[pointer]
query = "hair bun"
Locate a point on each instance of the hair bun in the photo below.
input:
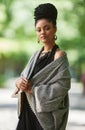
(47, 11)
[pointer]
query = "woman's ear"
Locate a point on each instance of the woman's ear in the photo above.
(55, 29)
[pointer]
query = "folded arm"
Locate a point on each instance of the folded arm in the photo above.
(49, 96)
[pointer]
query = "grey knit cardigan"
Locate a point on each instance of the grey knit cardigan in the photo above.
(49, 98)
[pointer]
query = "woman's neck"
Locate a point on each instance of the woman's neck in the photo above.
(48, 47)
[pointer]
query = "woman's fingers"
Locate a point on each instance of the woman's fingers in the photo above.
(24, 79)
(23, 84)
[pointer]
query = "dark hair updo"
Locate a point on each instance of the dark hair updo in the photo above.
(47, 11)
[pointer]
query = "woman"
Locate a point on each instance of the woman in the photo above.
(45, 81)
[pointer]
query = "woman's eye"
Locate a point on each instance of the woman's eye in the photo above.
(47, 28)
(38, 30)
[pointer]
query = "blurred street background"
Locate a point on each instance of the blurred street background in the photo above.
(18, 42)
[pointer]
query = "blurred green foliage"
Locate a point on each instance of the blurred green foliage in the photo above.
(11, 65)
(17, 27)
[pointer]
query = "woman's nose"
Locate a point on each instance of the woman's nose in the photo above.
(42, 31)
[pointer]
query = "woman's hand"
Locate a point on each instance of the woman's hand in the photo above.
(23, 84)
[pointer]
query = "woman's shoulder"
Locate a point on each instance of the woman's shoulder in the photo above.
(59, 53)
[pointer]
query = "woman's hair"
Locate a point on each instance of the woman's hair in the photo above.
(47, 11)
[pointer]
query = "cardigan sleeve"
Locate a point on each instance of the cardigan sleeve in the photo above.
(49, 96)
(29, 67)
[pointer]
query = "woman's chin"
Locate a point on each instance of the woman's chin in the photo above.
(44, 41)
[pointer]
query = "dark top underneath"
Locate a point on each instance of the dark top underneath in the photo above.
(27, 118)
(44, 60)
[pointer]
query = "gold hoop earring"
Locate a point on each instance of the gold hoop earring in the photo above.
(55, 37)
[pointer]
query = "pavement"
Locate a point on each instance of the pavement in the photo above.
(8, 107)
(76, 120)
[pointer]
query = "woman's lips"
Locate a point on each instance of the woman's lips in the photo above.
(43, 37)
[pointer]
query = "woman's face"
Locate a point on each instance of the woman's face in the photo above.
(45, 31)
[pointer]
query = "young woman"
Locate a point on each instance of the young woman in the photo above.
(45, 81)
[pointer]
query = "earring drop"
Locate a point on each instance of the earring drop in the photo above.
(55, 37)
